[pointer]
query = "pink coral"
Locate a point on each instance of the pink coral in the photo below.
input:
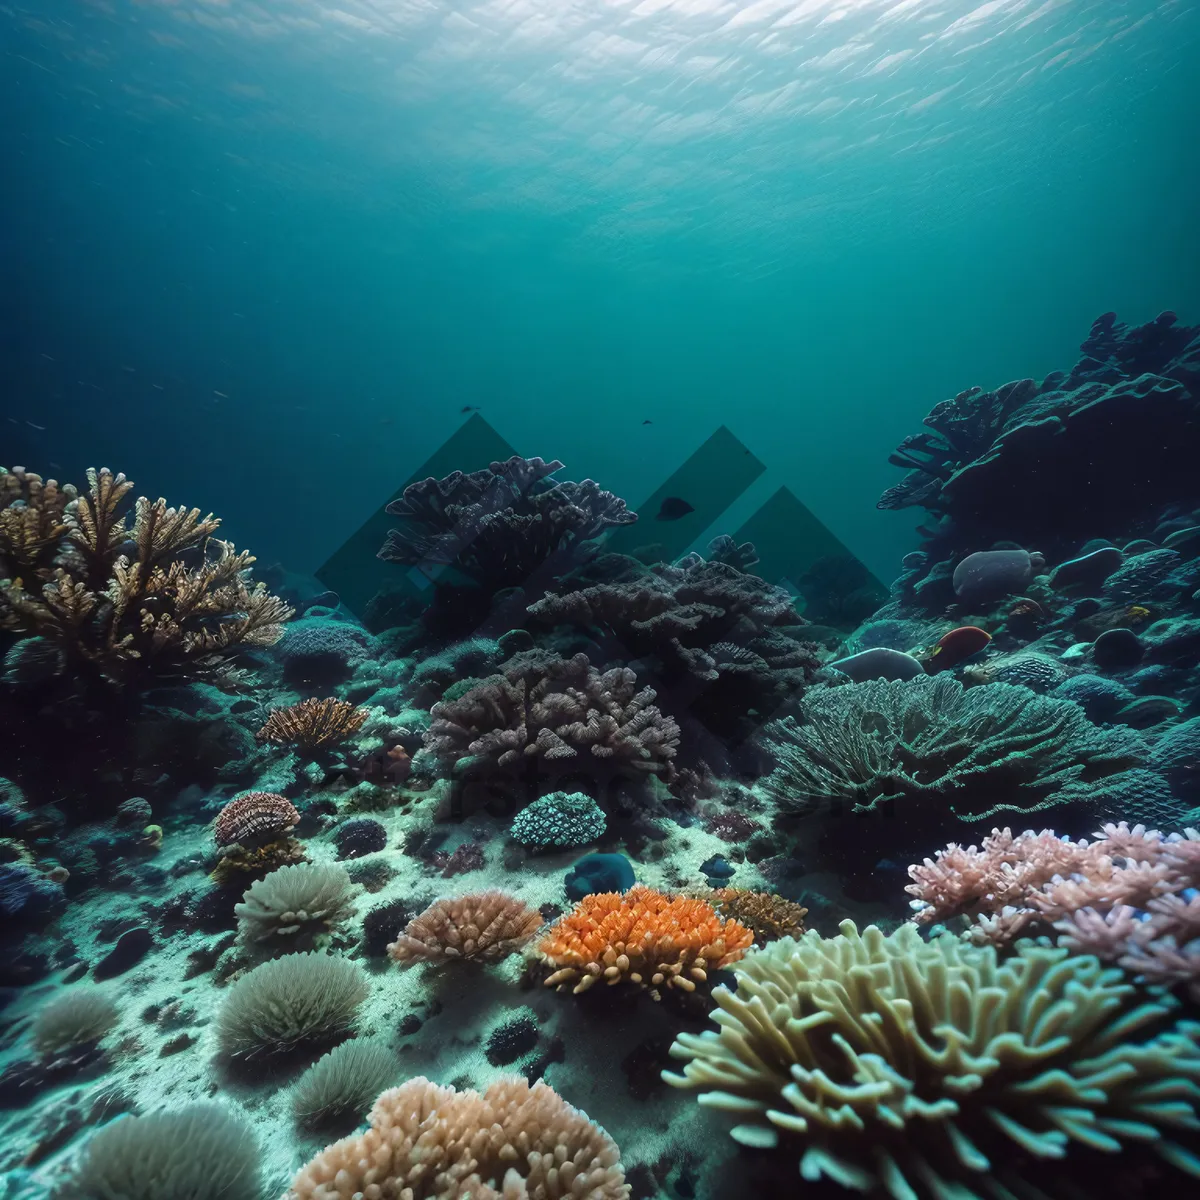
(1129, 896)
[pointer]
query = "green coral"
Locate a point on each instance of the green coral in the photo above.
(983, 750)
(935, 1070)
(560, 819)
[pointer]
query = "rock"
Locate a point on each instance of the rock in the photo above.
(1088, 570)
(132, 946)
(1117, 650)
(878, 663)
(989, 575)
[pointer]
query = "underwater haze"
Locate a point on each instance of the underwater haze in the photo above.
(599, 600)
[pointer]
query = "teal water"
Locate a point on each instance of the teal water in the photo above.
(807, 220)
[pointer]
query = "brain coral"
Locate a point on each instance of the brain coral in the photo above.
(512, 1142)
(643, 936)
(934, 1070)
(253, 818)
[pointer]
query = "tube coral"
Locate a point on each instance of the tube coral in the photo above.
(934, 1069)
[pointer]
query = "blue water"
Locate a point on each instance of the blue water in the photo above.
(259, 256)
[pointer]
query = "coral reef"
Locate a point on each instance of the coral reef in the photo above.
(924, 1069)
(427, 1142)
(126, 605)
(641, 937)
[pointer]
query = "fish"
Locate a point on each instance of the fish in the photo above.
(221, 394)
(466, 408)
(647, 422)
(672, 508)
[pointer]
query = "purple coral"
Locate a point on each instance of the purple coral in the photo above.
(498, 525)
(554, 711)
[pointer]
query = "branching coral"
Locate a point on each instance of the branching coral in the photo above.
(163, 599)
(554, 711)
(975, 751)
(497, 526)
(1128, 896)
(934, 1069)
(511, 1142)
(313, 724)
(642, 937)
(481, 926)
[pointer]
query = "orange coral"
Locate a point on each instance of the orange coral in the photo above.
(313, 724)
(642, 936)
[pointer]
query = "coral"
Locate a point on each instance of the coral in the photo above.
(515, 1038)
(767, 915)
(340, 1087)
(925, 1069)
(498, 526)
(359, 836)
(313, 724)
(381, 923)
(558, 820)
(739, 555)
(513, 1141)
(126, 606)
(989, 575)
(479, 927)
(254, 818)
(733, 634)
(33, 661)
(202, 1152)
(1038, 672)
(80, 1016)
(294, 908)
(1099, 697)
(299, 999)
(977, 751)
(553, 711)
(26, 894)
(642, 937)
(465, 858)
(238, 862)
(316, 652)
(1176, 754)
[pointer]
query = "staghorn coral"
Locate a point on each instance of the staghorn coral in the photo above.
(125, 606)
(498, 526)
(642, 937)
(554, 711)
(479, 927)
(254, 818)
(201, 1152)
(294, 908)
(513, 1141)
(767, 915)
(299, 999)
(313, 724)
(924, 1070)
(975, 751)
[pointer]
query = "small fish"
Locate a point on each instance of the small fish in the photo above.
(647, 422)
(39, 428)
(158, 387)
(673, 508)
(221, 394)
(466, 408)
